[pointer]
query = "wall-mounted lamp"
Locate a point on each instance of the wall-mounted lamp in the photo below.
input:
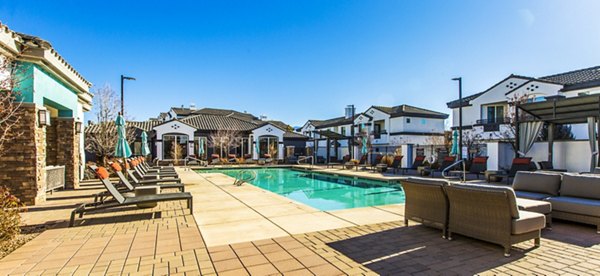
(77, 127)
(44, 120)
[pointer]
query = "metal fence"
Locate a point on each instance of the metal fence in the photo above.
(55, 178)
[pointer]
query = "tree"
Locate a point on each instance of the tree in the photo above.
(561, 132)
(225, 139)
(508, 132)
(176, 153)
(10, 101)
(472, 141)
(103, 139)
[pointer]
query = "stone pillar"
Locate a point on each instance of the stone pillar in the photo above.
(22, 165)
(68, 154)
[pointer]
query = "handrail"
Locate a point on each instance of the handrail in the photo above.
(304, 158)
(239, 178)
(464, 172)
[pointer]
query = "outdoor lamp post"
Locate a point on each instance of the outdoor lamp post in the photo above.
(123, 78)
(460, 120)
(352, 133)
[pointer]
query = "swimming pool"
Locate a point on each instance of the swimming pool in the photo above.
(322, 191)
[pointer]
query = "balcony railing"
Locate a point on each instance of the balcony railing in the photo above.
(377, 135)
(504, 120)
(493, 124)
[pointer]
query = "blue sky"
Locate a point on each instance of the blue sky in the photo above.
(299, 60)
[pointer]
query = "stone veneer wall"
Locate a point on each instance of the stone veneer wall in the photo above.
(22, 165)
(51, 144)
(68, 154)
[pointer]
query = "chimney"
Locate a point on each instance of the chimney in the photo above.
(192, 106)
(349, 111)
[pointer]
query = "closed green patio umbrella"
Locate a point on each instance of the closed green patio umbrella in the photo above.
(200, 148)
(454, 150)
(122, 148)
(364, 149)
(145, 147)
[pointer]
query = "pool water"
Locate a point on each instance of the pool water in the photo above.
(323, 191)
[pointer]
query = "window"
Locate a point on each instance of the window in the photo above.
(170, 140)
(343, 131)
(495, 114)
(268, 145)
(408, 120)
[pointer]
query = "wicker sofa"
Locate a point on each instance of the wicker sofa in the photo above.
(573, 197)
(579, 200)
(490, 213)
(426, 202)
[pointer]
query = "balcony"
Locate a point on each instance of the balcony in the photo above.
(493, 124)
(380, 137)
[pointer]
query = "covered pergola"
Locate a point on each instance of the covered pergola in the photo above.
(558, 110)
(328, 136)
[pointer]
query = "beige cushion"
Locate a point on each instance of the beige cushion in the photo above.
(537, 206)
(512, 199)
(527, 222)
(585, 186)
(583, 206)
(543, 183)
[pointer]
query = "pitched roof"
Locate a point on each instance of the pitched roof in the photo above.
(215, 122)
(572, 80)
(338, 121)
(181, 111)
(466, 100)
(141, 125)
(294, 135)
(577, 79)
(409, 110)
(185, 111)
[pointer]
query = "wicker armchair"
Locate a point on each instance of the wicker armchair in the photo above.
(490, 214)
(426, 202)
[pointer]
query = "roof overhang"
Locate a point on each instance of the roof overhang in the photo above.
(41, 53)
(573, 110)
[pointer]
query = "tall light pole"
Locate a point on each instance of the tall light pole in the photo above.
(352, 132)
(123, 78)
(460, 120)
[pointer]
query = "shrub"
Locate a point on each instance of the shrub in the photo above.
(10, 220)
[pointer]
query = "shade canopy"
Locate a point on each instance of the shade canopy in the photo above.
(122, 148)
(556, 110)
(331, 135)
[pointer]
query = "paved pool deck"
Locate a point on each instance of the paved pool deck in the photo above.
(168, 239)
(224, 210)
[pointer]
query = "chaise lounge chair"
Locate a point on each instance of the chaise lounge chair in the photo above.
(478, 166)
(163, 183)
(446, 162)
(139, 171)
(415, 165)
(120, 200)
(518, 164)
(397, 163)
